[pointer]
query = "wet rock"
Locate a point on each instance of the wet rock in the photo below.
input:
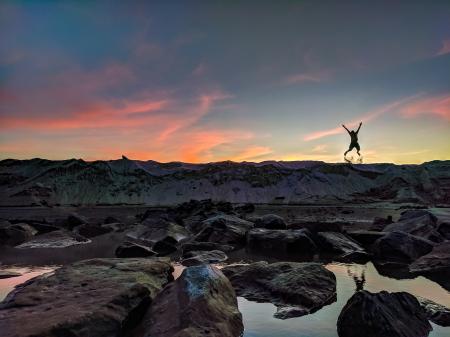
(201, 302)
(270, 221)
(8, 274)
(437, 261)
(444, 229)
(365, 238)
(43, 228)
(225, 229)
(96, 298)
(379, 224)
(339, 243)
(194, 258)
(383, 314)
(204, 246)
(400, 246)
(74, 220)
(14, 234)
(90, 231)
(297, 289)
(419, 223)
(294, 241)
(129, 249)
(435, 312)
(56, 239)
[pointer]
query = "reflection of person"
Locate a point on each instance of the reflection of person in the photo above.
(353, 140)
(360, 281)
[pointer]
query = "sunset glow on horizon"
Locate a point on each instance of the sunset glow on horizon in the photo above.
(212, 81)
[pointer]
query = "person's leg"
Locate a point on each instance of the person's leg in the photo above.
(349, 149)
(357, 149)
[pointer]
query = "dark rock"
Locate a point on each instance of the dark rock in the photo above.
(400, 246)
(292, 241)
(270, 221)
(319, 226)
(297, 289)
(8, 274)
(110, 220)
(245, 209)
(96, 298)
(379, 224)
(74, 220)
(382, 314)
(204, 246)
(444, 229)
(225, 229)
(339, 243)
(365, 238)
(437, 261)
(56, 239)
(194, 258)
(14, 234)
(129, 249)
(118, 227)
(435, 312)
(90, 231)
(201, 302)
(419, 223)
(43, 228)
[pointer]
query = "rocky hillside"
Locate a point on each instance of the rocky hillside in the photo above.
(125, 181)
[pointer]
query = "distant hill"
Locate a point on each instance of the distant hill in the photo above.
(40, 181)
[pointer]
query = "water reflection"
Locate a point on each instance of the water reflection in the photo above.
(259, 320)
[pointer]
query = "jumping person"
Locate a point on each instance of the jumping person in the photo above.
(353, 140)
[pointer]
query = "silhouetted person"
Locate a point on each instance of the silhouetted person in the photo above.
(353, 140)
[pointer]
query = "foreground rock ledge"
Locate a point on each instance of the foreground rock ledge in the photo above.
(297, 289)
(383, 314)
(99, 297)
(201, 302)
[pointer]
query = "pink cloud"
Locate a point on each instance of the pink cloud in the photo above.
(438, 106)
(313, 77)
(445, 49)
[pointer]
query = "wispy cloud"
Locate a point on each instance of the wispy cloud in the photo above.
(311, 77)
(438, 106)
(445, 49)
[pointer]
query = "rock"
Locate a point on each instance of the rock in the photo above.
(74, 220)
(129, 249)
(382, 314)
(8, 274)
(110, 220)
(339, 243)
(90, 231)
(379, 224)
(270, 221)
(419, 223)
(437, 261)
(201, 302)
(118, 227)
(365, 238)
(14, 234)
(319, 226)
(297, 289)
(56, 239)
(96, 298)
(400, 246)
(204, 246)
(293, 241)
(435, 312)
(225, 229)
(194, 258)
(245, 209)
(444, 229)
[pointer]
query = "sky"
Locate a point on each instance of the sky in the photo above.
(202, 81)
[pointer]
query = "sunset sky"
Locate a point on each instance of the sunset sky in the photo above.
(202, 81)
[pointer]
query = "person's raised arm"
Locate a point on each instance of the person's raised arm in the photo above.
(345, 128)
(359, 127)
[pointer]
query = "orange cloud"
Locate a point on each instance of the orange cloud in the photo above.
(438, 106)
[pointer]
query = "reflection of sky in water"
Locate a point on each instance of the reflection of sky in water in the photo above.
(258, 317)
(259, 321)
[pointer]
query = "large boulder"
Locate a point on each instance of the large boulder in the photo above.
(365, 237)
(201, 302)
(420, 223)
(293, 241)
(96, 298)
(90, 231)
(225, 229)
(383, 314)
(345, 247)
(8, 274)
(444, 229)
(130, 249)
(56, 239)
(204, 246)
(379, 224)
(74, 220)
(436, 262)
(437, 313)
(15, 234)
(296, 289)
(194, 258)
(401, 247)
(270, 221)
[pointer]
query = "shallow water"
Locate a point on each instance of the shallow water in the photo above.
(258, 317)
